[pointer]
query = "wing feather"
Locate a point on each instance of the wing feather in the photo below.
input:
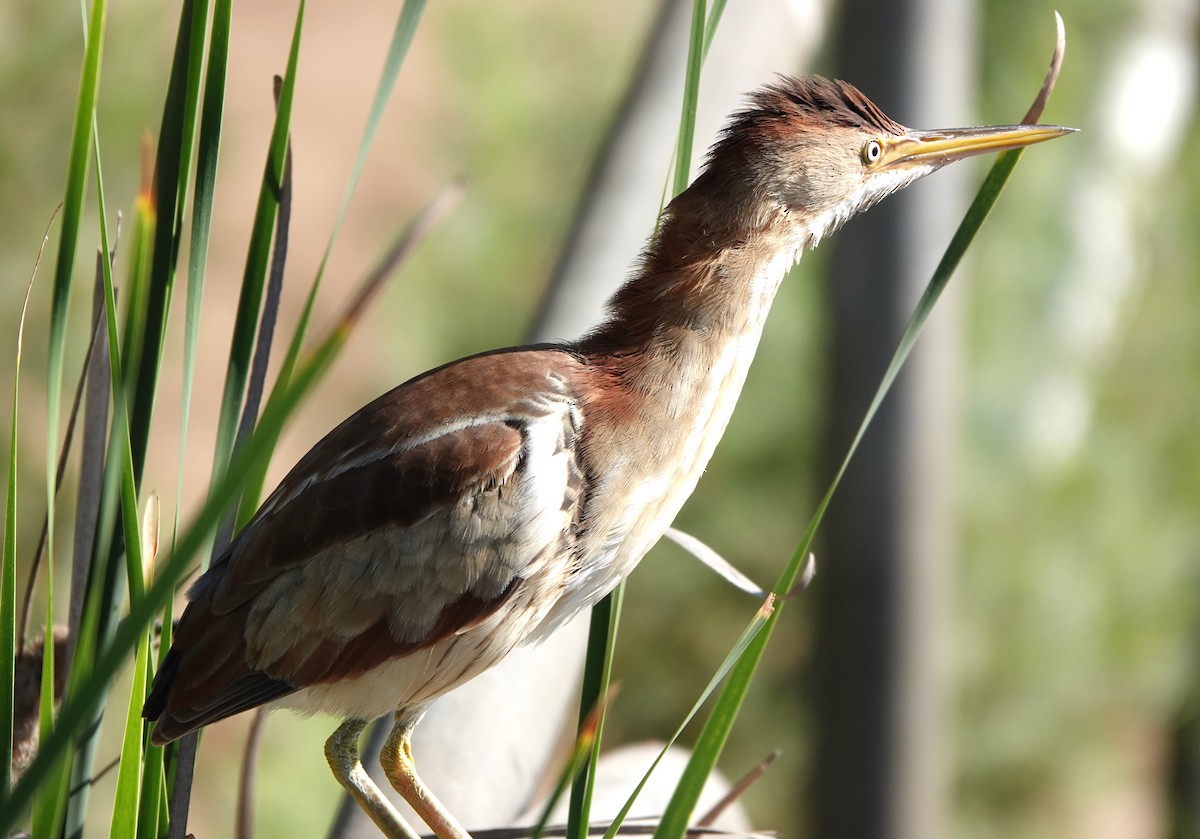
(418, 517)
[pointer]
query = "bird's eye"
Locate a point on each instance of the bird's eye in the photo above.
(871, 152)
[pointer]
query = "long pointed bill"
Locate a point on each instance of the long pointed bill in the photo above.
(939, 147)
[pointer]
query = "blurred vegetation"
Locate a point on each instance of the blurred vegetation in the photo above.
(1077, 581)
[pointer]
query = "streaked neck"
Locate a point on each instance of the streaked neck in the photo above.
(670, 362)
(708, 277)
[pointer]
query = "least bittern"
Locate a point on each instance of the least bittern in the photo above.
(481, 505)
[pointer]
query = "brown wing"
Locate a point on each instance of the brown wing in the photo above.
(415, 517)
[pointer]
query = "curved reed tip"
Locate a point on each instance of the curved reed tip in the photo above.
(1034, 114)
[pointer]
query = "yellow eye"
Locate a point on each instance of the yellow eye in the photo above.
(871, 152)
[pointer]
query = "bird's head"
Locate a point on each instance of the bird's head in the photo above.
(822, 151)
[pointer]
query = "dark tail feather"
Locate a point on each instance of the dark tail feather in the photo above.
(250, 691)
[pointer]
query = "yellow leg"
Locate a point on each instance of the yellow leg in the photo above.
(341, 750)
(397, 761)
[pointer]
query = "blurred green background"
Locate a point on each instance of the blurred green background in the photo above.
(1076, 640)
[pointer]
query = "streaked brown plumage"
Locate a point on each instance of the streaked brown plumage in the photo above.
(484, 503)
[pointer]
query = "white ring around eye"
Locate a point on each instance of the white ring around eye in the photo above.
(872, 151)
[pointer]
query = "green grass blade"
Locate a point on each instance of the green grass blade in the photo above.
(8, 573)
(710, 26)
(152, 794)
(254, 277)
(574, 766)
(73, 202)
(402, 36)
(712, 739)
(170, 183)
(129, 775)
(87, 741)
(691, 95)
(191, 104)
(153, 818)
(69, 809)
(119, 370)
(146, 224)
(8, 592)
(50, 806)
(132, 777)
(137, 285)
(206, 177)
(690, 83)
(743, 643)
(597, 676)
(265, 338)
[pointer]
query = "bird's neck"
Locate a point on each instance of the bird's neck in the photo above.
(670, 362)
(702, 291)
